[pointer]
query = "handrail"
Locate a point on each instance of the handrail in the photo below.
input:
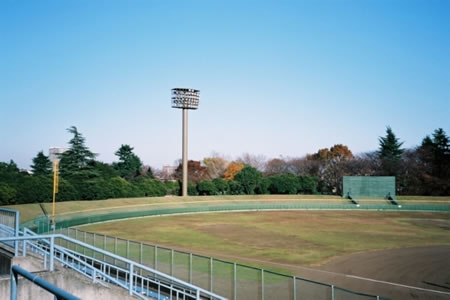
(130, 274)
(59, 293)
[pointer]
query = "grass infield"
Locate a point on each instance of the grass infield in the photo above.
(285, 237)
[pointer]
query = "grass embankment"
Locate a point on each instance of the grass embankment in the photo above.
(285, 237)
(72, 208)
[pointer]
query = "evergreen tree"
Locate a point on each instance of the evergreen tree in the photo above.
(390, 146)
(436, 152)
(41, 165)
(390, 153)
(129, 164)
(78, 157)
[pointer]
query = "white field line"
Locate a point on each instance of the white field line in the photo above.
(397, 284)
(374, 280)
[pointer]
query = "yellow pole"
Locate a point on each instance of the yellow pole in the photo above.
(55, 187)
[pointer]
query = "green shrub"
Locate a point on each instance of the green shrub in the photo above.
(206, 187)
(221, 186)
(235, 188)
(287, 183)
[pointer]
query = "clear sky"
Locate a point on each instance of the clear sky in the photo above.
(276, 78)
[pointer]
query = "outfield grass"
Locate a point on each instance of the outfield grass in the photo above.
(75, 208)
(285, 237)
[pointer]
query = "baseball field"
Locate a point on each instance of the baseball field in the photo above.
(397, 254)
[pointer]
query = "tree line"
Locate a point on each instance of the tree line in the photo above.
(422, 170)
(82, 177)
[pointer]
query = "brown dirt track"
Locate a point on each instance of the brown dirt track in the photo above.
(406, 273)
(389, 272)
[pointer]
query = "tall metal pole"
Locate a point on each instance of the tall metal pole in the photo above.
(185, 99)
(185, 152)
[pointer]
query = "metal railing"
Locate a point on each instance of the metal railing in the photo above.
(57, 292)
(9, 225)
(139, 280)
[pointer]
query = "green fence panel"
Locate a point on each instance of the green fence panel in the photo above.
(181, 265)
(343, 294)
(98, 242)
(249, 283)
(89, 239)
(306, 289)
(278, 286)
(148, 255)
(121, 249)
(110, 246)
(223, 278)
(134, 251)
(201, 271)
(164, 260)
(368, 186)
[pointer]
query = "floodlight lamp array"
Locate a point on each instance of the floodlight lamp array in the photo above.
(185, 98)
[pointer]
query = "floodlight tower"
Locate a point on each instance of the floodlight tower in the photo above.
(185, 99)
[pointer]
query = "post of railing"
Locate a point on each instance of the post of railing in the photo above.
(332, 292)
(84, 240)
(16, 231)
(141, 249)
(171, 262)
(294, 287)
(76, 237)
(198, 295)
(211, 273)
(190, 267)
(131, 279)
(156, 257)
(45, 261)
(262, 284)
(52, 250)
(104, 246)
(24, 247)
(235, 281)
(128, 249)
(13, 288)
(115, 248)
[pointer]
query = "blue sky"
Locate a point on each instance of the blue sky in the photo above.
(277, 78)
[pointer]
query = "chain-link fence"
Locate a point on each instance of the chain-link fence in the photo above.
(228, 279)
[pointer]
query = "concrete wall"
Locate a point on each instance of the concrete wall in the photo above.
(63, 278)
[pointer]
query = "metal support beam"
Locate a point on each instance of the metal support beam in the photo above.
(235, 281)
(52, 252)
(262, 284)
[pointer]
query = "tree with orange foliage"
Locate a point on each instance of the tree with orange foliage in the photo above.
(232, 169)
(332, 165)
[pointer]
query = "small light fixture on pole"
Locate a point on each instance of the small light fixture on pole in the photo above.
(185, 99)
